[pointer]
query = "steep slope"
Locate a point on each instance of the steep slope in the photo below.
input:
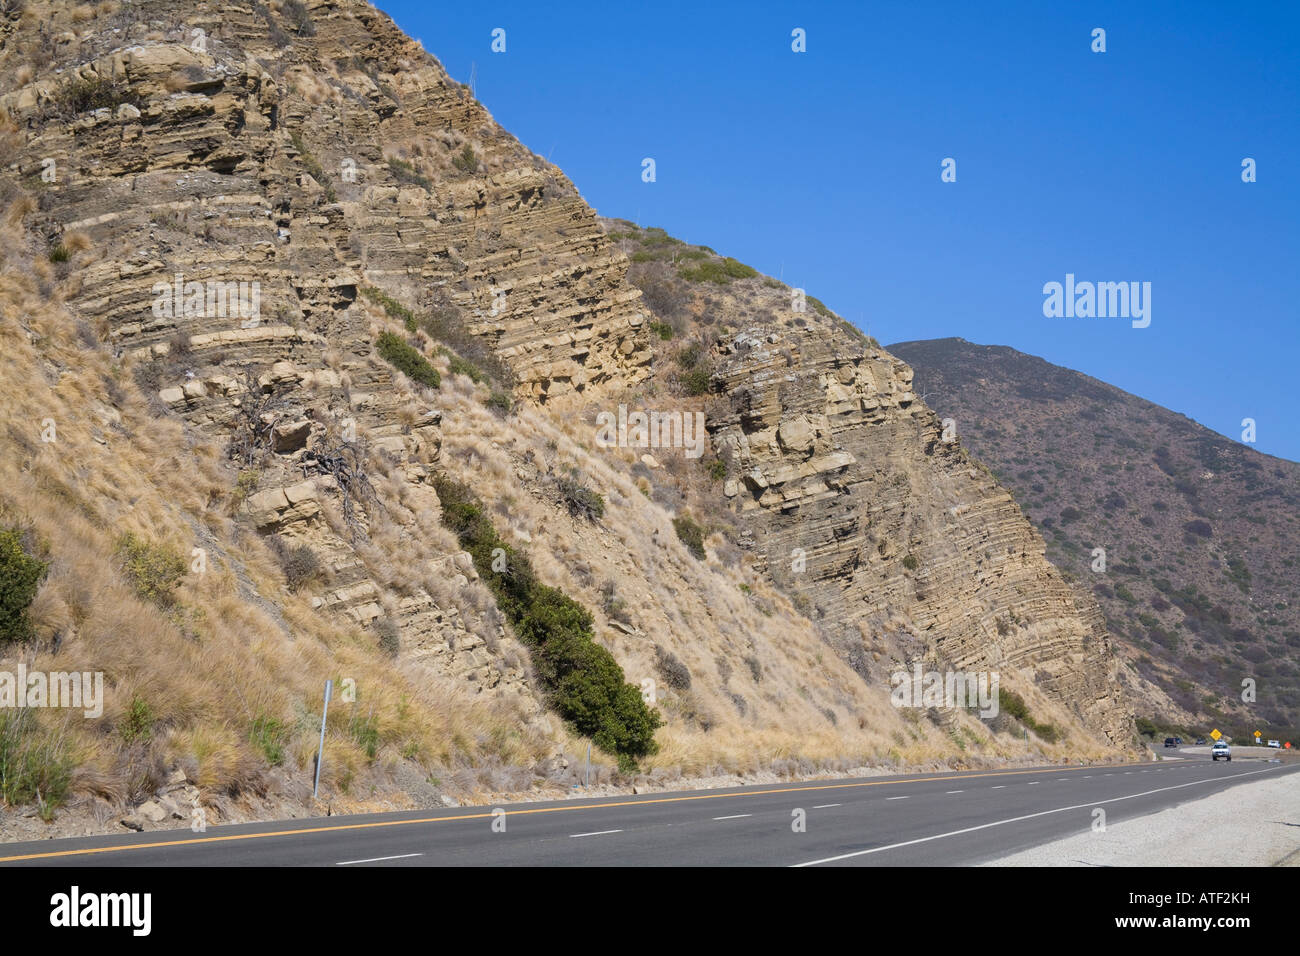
(271, 275)
(1201, 534)
(844, 489)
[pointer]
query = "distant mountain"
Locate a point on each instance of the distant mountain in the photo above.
(1201, 533)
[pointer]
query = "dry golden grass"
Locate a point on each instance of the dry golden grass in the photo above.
(236, 645)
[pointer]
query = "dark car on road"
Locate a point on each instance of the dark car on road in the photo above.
(1200, 741)
(1171, 741)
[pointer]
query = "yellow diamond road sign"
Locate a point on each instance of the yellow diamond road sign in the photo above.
(1215, 733)
(1258, 734)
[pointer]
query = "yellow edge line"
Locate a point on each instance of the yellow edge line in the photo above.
(477, 816)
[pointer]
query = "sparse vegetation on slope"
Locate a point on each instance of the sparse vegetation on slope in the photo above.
(583, 681)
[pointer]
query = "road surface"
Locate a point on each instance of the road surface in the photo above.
(955, 818)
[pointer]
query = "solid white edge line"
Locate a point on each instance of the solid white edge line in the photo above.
(593, 833)
(1028, 816)
(734, 816)
(898, 798)
(377, 859)
(823, 806)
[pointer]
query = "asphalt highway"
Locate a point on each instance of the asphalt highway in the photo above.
(946, 819)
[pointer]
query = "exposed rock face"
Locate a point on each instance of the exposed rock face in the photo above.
(857, 502)
(284, 178)
(243, 197)
(844, 485)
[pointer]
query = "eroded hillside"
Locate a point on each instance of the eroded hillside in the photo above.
(271, 275)
(1199, 532)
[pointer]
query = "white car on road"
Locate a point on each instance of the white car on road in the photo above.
(1221, 749)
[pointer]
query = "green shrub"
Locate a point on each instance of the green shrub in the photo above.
(697, 381)
(691, 535)
(720, 273)
(460, 366)
(405, 172)
(501, 403)
(466, 161)
(688, 356)
(393, 308)
(717, 469)
(1009, 702)
(910, 562)
(1013, 704)
(365, 731)
(59, 253)
(95, 93)
(580, 678)
(662, 329)
(408, 360)
(35, 767)
(137, 723)
(20, 579)
(270, 735)
(154, 570)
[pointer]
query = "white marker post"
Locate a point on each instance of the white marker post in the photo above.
(320, 753)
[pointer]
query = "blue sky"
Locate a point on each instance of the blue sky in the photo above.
(823, 167)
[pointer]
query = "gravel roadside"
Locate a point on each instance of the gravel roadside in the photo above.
(1251, 824)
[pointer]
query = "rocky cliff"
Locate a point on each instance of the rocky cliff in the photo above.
(854, 497)
(270, 271)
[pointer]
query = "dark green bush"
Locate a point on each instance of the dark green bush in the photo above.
(501, 403)
(691, 535)
(391, 306)
(1013, 704)
(581, 679)
(460, 366)
(20, 579)
(407, 360)
(696, 381)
